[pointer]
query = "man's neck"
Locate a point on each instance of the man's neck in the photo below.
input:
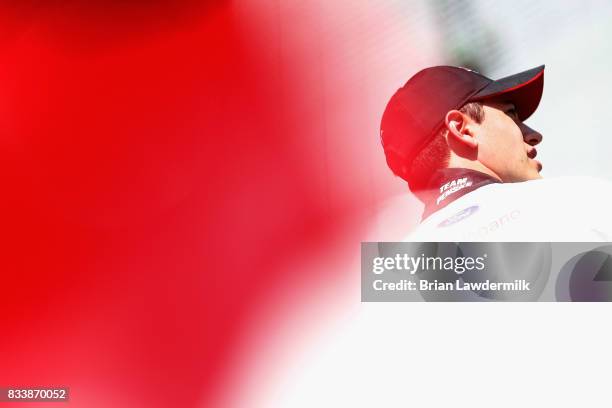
(461, 163)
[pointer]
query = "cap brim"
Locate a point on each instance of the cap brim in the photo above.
(524, 90)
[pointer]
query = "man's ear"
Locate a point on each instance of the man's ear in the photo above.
(458, 130)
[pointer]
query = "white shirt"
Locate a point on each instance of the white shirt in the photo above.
(574, 209)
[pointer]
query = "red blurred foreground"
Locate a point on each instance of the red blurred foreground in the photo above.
(162, 164)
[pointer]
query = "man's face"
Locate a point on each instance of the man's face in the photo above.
(506, 145)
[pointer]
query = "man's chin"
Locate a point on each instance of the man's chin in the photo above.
(535, 171)
(535, 176)
(532, 175)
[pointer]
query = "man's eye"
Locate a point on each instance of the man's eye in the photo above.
(511, 112)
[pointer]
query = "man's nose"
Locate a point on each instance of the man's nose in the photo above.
(530, 136)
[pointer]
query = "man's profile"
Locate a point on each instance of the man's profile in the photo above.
(459, 140)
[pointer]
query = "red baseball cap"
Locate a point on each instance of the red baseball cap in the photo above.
(416, 112)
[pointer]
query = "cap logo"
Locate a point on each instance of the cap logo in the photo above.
(469, 70)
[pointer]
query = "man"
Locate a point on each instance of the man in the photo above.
(459, 140)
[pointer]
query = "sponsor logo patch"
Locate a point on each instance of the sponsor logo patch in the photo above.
(460, 216)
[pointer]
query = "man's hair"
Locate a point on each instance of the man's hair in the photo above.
(436, 154)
